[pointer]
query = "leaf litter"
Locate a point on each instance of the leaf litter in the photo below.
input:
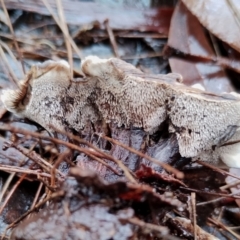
(139, 200)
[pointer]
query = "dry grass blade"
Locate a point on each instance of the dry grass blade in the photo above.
(37, 195)
(35, 157)
(6, 185)
(151, 227)
(194, 220)
(214, 201)
(112, 39)
(217, 169)
(6, 65)
(212, 193)
(6, 47)
(230, 185)
(13, 169)
(105, 164)
(142, 155)
(75, 47)
(3, 205)
(236, 12)
(67, 36)
(142, 56)
(221, 225)
(13, 34)
(55, 166)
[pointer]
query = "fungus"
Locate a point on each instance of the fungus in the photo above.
(116, 91)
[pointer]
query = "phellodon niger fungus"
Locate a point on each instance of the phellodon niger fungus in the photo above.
(115, 91)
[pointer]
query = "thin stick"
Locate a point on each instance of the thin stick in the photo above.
(164, 165)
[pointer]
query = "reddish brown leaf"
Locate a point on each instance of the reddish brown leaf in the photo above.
(147, 172)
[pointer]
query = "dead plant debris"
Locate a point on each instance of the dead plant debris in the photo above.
(112, 180)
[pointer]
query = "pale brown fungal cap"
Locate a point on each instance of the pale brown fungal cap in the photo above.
(116, 91)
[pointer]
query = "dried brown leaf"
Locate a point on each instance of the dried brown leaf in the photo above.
(77, 13)
(222, 18)
(187, 35)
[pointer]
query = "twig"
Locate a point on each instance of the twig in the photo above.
(164, 165)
